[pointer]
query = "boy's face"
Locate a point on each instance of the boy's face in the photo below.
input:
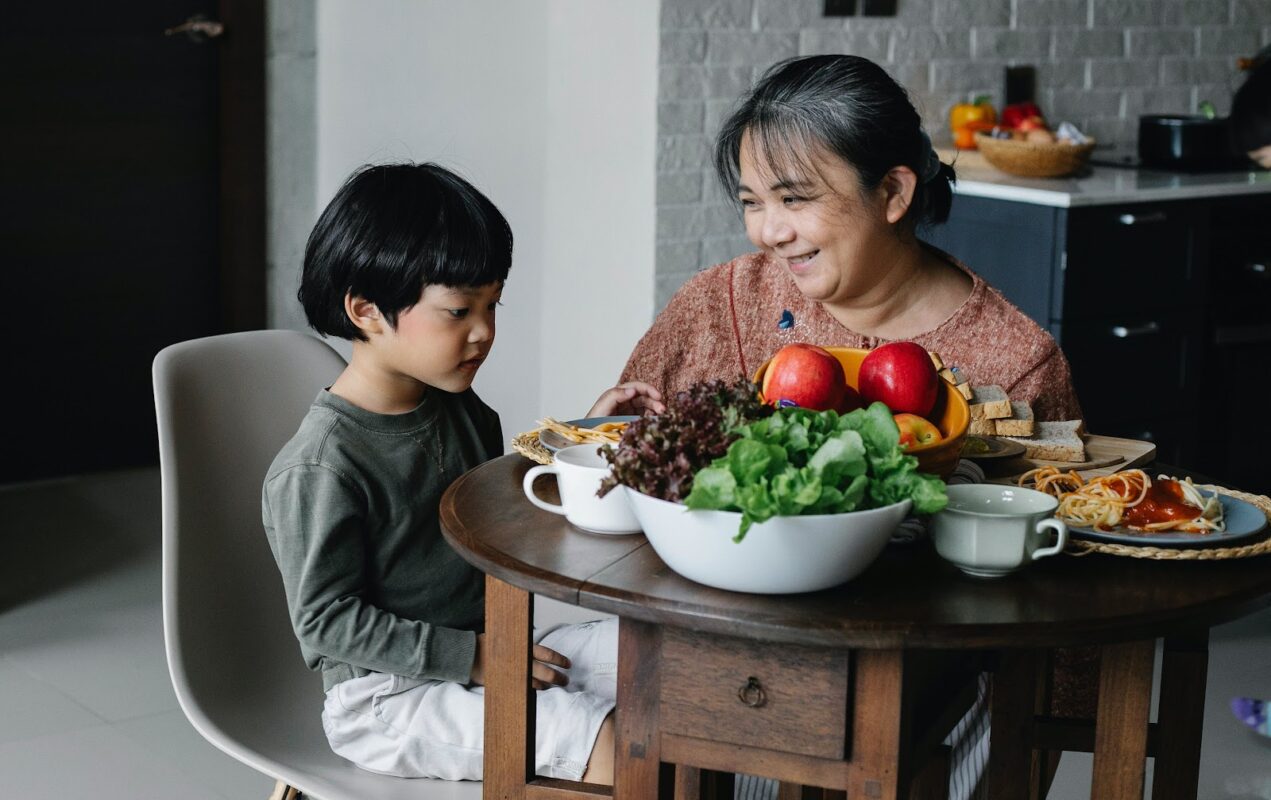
(442, 340)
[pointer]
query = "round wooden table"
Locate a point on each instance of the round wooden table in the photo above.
(892, 646)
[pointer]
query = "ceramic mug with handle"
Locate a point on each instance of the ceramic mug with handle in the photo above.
(579, 470)
(989, 530)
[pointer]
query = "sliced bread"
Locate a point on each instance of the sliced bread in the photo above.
(1054, 441)
(1020, 423)
(989, 402)
(981, 427)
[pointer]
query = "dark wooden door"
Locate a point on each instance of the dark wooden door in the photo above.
(110, 185)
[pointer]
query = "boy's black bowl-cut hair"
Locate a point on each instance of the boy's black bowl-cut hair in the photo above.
(393, 229)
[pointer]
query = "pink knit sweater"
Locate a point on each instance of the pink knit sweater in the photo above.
(727, 320)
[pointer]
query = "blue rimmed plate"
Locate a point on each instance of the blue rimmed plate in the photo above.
(1244, 521)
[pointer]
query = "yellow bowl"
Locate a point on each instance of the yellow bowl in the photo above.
(952, 415)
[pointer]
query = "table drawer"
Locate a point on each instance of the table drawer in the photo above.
(774, 696)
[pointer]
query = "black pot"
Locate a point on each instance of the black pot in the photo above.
(1186, 142)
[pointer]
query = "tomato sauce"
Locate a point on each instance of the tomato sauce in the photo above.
(1164, 502)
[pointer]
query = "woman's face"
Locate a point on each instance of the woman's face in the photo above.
(816, 223)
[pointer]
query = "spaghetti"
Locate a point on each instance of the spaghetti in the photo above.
(1128, 500)
(604, 433)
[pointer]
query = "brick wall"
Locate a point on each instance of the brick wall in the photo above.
(1100, 63)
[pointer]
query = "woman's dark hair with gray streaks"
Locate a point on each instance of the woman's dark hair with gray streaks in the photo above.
(844, 105)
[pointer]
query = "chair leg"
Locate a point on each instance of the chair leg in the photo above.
(284, 792)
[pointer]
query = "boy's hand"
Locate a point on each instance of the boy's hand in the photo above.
(632, 397)
(542, 676)
(477, 676)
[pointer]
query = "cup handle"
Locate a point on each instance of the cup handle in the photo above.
(1060, 529)
(527, 483)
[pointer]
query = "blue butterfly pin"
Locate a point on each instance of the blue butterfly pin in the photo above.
(787, 320)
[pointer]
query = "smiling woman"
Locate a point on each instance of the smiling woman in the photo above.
(834, 177)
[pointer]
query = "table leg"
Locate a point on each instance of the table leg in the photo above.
(692, 783)
(1176, 775)
(878, 734)
(509, 706)
(1013, 761)
(688, 783)
(637, 743)
(795, 791)
(932, 781)
(1120, 734)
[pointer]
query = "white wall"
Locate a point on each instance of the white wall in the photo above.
(601, 194)
(549, 107)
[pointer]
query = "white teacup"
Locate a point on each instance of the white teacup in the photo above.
(579, 470)
(989, 531)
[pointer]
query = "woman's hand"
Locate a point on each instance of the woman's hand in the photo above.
(542, 675)
(632, 397)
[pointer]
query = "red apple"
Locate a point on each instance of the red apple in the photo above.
(1032, 123)
(902, 376)
(915, 431)
(807, 376)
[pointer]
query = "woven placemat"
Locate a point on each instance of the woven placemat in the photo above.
(1081, 547)
(528, 445)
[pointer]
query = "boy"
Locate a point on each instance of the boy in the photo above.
(408, 261)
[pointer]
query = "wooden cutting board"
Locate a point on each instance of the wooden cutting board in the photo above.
(1104, 455)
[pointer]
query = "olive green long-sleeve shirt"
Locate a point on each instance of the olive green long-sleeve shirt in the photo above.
(350, 507)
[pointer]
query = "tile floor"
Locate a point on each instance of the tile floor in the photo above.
(86, 709)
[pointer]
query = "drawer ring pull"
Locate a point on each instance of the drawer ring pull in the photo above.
(752, 694)
(1142, 218)
(1125, 332)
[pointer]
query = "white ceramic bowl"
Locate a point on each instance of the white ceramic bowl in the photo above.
(784, 555)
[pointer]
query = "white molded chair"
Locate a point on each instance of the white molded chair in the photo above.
(226, 405)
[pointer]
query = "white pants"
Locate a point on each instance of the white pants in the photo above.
(435, 729)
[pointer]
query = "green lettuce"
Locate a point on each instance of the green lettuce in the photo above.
(799, 461)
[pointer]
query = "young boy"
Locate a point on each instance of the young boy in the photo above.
(408, 261)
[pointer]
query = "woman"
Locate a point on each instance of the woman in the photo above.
(1250, 120)
(833, 173)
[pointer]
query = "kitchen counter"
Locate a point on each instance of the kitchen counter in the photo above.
(1100, 185)
(1156, 284)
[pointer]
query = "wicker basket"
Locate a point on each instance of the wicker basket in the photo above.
(1034, 159)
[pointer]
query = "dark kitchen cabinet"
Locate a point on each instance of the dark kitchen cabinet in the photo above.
(1236, 378)
(1163, 309)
